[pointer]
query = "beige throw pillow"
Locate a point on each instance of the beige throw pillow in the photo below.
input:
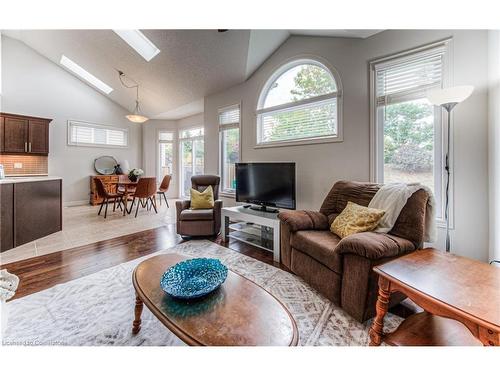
(356, 219)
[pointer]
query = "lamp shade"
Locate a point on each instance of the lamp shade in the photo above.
(449, 95)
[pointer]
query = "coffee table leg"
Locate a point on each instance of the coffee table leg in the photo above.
(136, 326)
(377, 328)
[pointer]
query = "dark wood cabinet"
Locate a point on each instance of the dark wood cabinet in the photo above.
(2, 130)
(15, 135)
(30, 210)
(38, 136)
(6, 216)
(38, 210)
(21, 134)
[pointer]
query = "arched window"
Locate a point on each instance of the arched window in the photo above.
(300, 102)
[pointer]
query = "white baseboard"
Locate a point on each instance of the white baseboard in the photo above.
(76, 203)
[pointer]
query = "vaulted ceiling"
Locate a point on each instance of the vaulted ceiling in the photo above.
(191, 64)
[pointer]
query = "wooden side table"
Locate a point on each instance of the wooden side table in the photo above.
(460, 296)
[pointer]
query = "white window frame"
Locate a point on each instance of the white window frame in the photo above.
(94, 126)
(441, 134)
(179, 142)
(227, 192)
(289, 64)
(158, 165)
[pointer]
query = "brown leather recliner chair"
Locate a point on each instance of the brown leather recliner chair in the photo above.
(202, 222)
(341, 269)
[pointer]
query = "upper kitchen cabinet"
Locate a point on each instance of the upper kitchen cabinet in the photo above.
(24, 134)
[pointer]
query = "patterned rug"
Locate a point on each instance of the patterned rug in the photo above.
(98, 309)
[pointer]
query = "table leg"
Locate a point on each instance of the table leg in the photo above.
(136, 325)
(377, 328)
(125, 203)
(225, 228)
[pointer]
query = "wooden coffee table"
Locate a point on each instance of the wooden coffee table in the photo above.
(238, 313)
(460, 296)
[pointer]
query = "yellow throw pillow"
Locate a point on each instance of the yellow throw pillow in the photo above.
(202, 200)
(355, 219)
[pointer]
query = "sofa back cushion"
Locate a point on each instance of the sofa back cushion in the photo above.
(344, 191)
(410, 223)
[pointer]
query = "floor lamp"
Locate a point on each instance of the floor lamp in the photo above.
(448, 98)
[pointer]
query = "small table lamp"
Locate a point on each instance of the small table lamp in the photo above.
(448, 98)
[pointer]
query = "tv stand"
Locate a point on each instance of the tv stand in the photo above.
(256, 227)
(263, 208)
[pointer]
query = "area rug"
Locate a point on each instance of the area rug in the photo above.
(98, 309)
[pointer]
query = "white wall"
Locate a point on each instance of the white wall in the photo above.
(33, 85)
(320, 165)
(494, 141)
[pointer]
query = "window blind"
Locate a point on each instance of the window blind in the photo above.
(409, 77)
(229, 117)
(86, 134)
(310, 120)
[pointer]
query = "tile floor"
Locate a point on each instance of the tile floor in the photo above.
(82, 226)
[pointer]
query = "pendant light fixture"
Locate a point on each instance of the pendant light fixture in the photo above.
(136, 115)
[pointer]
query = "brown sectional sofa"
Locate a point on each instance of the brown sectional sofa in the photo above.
(341, 269)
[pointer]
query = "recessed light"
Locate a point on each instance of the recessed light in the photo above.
(82, 73)
(138, 41)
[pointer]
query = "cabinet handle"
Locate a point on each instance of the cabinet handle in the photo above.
(30, 146)
(25, 146)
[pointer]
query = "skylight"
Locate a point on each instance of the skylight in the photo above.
(82, 73)
(138, 41)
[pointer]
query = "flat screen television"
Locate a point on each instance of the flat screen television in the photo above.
(266, 184)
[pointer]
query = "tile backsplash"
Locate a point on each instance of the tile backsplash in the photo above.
(24, 164)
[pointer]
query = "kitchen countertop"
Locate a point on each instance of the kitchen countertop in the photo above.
(15, 180)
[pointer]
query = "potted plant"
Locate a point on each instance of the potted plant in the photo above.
(134, 174)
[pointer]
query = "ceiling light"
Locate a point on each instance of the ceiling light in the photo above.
(138, 41)
(82, 73)
(136, 115)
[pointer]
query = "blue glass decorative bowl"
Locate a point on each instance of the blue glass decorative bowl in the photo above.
(193, 278)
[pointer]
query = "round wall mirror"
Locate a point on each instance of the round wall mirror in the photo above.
(105, 164)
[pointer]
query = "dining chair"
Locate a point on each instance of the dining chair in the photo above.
(107, 196)
(165, 183)
(145, 193)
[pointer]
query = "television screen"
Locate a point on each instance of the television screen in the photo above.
(266, 184)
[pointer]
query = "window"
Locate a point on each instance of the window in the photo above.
(165, 154)
(86, 134)
(191, 148)
(300, 102)
(86, 76)
(229, 153)
(139, 42)
(407, 128)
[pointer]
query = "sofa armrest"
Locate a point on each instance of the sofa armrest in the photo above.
(181, 206)
(374, 246)
(304, 220)
(217, 215)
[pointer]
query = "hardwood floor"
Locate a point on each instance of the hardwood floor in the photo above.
(45, 271)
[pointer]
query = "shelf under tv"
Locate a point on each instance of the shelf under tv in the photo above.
(257, 228)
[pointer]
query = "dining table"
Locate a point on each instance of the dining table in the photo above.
(129, 189)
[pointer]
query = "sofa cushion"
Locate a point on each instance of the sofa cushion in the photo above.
(344, 191)
(200, 214)
(320, 245)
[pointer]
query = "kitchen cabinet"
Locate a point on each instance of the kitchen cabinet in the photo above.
(21, 134)
(31, 209)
